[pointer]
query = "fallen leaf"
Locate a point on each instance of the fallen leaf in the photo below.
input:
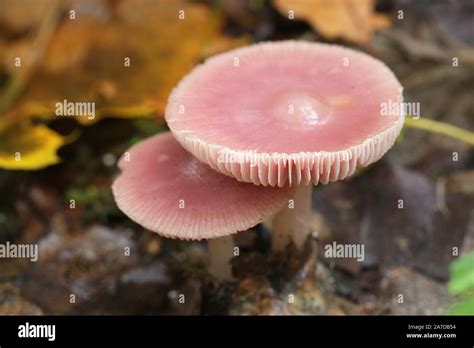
(21, 15)
(26, 146)
(351, 20)
(128, 70)
(124, 66)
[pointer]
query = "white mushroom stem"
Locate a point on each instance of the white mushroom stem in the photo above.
(292, 222)
(221, 251)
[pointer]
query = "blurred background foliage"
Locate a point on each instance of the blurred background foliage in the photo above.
(462, 284)
(79, 50)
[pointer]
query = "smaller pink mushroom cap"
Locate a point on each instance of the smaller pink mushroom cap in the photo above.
(167, 190)
(287, 112)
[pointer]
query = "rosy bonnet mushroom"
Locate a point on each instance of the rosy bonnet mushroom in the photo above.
(287, 113)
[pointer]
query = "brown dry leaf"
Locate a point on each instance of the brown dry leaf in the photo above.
(160, 47)
(352, 20)
(21, 15)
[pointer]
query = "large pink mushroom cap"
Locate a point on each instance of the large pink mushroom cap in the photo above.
(165, 189)
(287, 112)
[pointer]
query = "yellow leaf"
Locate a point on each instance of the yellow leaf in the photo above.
(352, 20)
(26, 146)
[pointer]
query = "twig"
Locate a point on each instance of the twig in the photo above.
(440, 128)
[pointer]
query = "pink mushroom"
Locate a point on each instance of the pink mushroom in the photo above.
(166, 190)
(287, 114)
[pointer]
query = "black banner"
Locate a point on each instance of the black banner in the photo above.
(407, 330)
